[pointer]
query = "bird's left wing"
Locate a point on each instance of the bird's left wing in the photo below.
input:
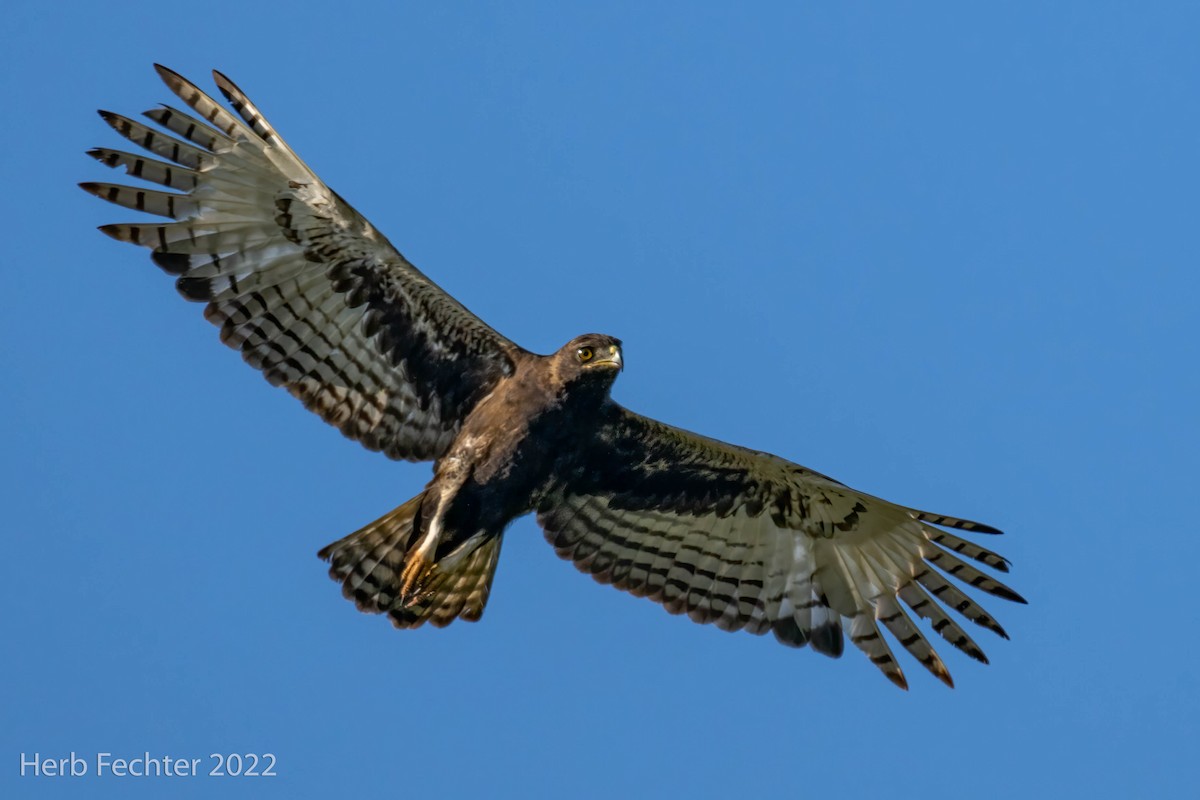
(297, 280)
(749, 541)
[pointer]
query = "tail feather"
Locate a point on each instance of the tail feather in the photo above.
(369, 564)
(369, 561)
(460, 593)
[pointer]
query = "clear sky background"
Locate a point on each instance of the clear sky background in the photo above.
(944, 252)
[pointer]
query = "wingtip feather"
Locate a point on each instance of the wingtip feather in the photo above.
(167, 74)
(1008, 594)
(941, 673)
(223, 82)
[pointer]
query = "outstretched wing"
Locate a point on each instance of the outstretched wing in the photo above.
(749, 541)
(297, 280)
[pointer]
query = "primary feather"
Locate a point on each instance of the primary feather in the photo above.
(749, 541)
(298, 281)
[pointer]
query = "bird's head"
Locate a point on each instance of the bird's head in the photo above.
(591, 359)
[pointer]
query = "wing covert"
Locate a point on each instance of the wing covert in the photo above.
(749, 541)
(298, 281)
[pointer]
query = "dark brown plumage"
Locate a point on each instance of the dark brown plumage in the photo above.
(317, 299)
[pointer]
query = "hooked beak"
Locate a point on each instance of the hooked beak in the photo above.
(613, 360)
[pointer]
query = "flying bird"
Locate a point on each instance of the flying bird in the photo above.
(320, 301)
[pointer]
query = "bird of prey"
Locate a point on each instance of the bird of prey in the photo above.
(322, 303)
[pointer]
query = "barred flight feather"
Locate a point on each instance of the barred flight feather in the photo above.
(787, 550)
(148, 169)
(188, 127)
(297, 280)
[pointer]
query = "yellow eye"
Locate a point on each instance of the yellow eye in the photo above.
(585, 354)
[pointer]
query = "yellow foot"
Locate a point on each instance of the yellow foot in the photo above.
(414, 577)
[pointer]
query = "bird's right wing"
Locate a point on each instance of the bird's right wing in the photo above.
(297, 280)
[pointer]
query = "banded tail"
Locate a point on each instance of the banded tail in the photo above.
(370, 564)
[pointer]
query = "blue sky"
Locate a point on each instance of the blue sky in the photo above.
(946, 254)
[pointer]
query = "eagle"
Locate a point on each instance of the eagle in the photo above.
(319, 301)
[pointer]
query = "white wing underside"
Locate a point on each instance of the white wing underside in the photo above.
(297, 280)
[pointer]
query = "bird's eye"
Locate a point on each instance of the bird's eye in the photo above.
(585, 354)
